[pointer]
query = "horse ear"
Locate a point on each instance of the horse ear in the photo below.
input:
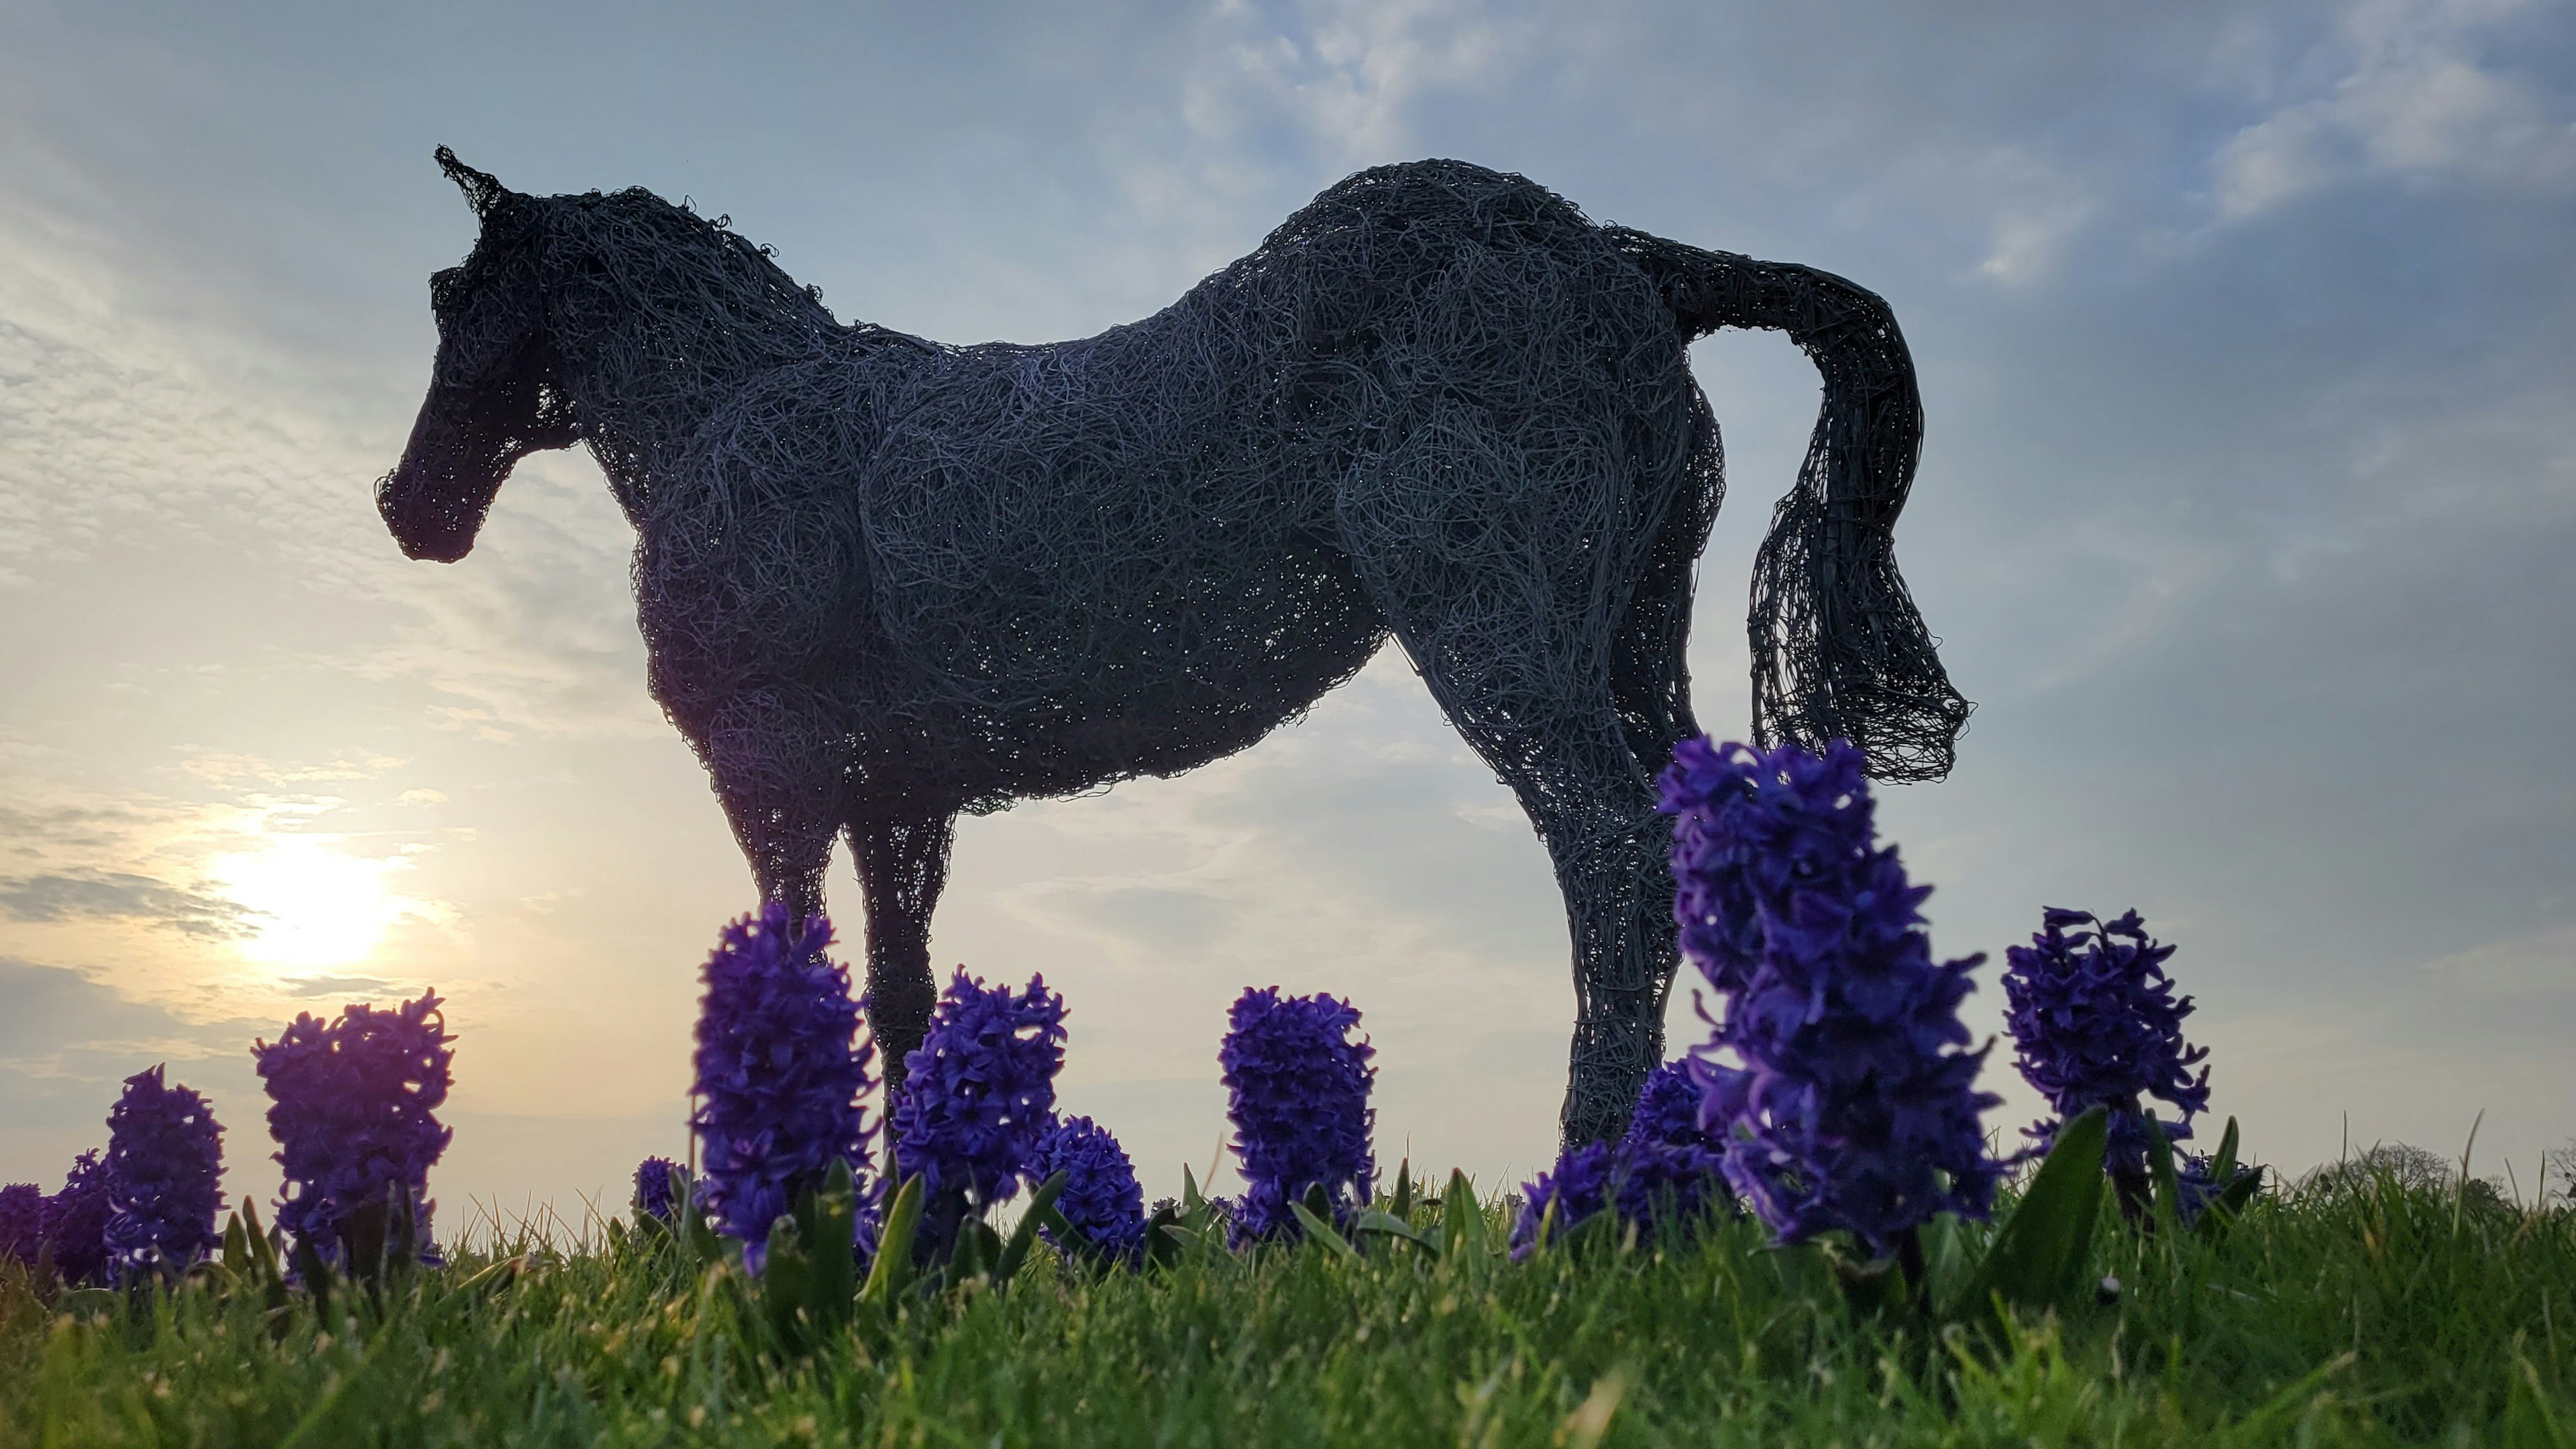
(482, 190)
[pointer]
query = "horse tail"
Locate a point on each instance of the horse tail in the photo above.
(1839, 650)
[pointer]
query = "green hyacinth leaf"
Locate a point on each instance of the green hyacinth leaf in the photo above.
(1389, 1225)
(2038, 1255)
(1462, 1219)
(786, 1276)
(1320, 1231)
(830, 1230)
(2160, 1166)
(1041, 1208)
(1163, 1240)
(890, 1277)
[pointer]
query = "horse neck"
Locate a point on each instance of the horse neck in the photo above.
(653, 337)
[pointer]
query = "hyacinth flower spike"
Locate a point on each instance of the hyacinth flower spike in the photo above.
(1837, 1074)
(2095, 1022)
(662, 1188)
(1102, 1206)
(979, 1094)
(1297, 1088)
(164, 1161)
(354, 1108)
(781, 1069)
(1667, 1171)
(22, 1222)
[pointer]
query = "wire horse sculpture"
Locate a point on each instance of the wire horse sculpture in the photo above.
(884, 581)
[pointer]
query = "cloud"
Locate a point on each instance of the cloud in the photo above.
(2414, 99)
(2543, 964)
(119, 896)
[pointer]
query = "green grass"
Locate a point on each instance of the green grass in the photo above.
(2381, 1315)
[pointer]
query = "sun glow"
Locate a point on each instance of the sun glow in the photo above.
(309, 904)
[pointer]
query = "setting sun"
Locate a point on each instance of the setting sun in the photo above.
(311, 904)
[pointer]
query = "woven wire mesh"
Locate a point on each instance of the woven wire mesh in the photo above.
(884, 581)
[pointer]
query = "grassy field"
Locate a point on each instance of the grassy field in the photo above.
(2380, 1315)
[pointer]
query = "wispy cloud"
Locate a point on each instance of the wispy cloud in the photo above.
(118, 896)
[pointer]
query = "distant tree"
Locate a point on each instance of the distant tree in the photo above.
(2411, 1168)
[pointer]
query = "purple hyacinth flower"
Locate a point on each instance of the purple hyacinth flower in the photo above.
(977, 1094)
(22, 1223)
(353, 1105)
(2095, 1021)
(661, 1185)
(1298, 1094)
(76, 1221)
(1101, 1201)
(1836, 1075)
(781, 1070)
(164, 1160)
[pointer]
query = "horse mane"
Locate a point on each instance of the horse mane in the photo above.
(637, 234)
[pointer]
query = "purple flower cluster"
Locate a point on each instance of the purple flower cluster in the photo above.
(661, 1187)
(1664, 1170)
(71, 1224)
(1101, 1201)
(1298, 1094)
(1668, 1110)
(2094, 1021)
(164, 1159)
(353, 1106)
(780, 1072)
(22, 1222)
(1575, 1189)
(977, 1094)
(76, 1220)
(2196, 1175)
(1854, 1105)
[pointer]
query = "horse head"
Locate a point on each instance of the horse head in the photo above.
(493, 396)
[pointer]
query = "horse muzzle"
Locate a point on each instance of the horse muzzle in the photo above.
(431, 518)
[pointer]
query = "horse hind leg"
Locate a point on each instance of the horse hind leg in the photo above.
(1491, 569)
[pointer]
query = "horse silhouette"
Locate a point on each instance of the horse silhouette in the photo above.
(883, 581)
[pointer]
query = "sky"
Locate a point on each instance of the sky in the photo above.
(2245, 514)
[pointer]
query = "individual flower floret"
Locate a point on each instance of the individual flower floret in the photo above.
(164, 1160)
(977, 1093)
(1836, 1072)
(353, 1106)
(780, 1071)
(1298, 1093)
(661, 1188)
(1101, 1200)
(2094, 1022)
(76, 1221)
(22, 1222)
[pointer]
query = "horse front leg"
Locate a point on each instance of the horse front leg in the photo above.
(903, 863)
(775, 761)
